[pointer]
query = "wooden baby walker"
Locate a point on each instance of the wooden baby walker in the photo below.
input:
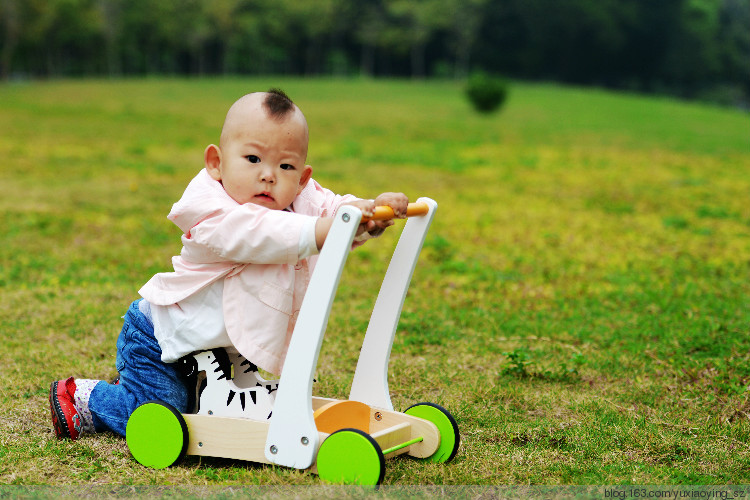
(240, 415)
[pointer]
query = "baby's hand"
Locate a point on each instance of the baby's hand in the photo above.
(367, 207)
(397, 201)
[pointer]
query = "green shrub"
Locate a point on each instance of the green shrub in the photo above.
(486, 93)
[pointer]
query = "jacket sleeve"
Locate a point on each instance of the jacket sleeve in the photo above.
(317, 200)
(246, 234)
(328, 201)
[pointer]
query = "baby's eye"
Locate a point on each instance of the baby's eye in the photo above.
(286, 166)
(253, 159)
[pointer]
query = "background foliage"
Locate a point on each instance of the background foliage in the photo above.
(581, 303)
(694, 48)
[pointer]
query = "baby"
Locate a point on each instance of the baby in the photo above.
(253, 222)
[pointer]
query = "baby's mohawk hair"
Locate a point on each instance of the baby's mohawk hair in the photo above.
(277, 103)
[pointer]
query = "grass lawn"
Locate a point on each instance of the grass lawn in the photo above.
(581, 305)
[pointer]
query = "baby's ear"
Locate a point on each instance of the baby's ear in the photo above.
(306, 174)
(212, 161)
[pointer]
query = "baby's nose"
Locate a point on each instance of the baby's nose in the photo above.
(266, 175)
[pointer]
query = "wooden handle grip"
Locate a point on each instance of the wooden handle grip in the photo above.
(386, 212)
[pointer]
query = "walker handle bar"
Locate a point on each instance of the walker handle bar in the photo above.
(386, 212)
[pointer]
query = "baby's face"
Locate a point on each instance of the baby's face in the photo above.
(263, 159)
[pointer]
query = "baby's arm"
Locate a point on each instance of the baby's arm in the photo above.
(397, 201)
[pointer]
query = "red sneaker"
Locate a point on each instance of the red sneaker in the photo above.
(65, 418)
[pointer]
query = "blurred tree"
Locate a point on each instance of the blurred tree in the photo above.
(10, 31)
(370, 24)
(415, 21)
(693, 56)
(144, 25)
(110, 20)
(61, 36)
(304, 30)
(685, 46)
(236, 30)
(576, 40)
(649, 29)
(465, 19)
(734, 42)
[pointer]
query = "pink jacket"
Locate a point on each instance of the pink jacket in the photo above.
(256, 252)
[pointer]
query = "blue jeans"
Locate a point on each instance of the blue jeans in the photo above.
(143, 377)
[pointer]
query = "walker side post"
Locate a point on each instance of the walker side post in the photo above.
(370, 384)
(293, 438)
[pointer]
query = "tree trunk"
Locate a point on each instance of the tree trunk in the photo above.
(417, 61)
(367, 60)
(12, 31)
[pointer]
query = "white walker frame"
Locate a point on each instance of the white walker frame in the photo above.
(293, 437)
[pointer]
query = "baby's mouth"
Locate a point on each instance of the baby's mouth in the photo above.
(264, 196)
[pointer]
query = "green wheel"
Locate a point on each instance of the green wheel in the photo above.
(350, 456)
(156, 434)
(447, 426)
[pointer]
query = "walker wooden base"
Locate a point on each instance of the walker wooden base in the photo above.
(238, 438)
